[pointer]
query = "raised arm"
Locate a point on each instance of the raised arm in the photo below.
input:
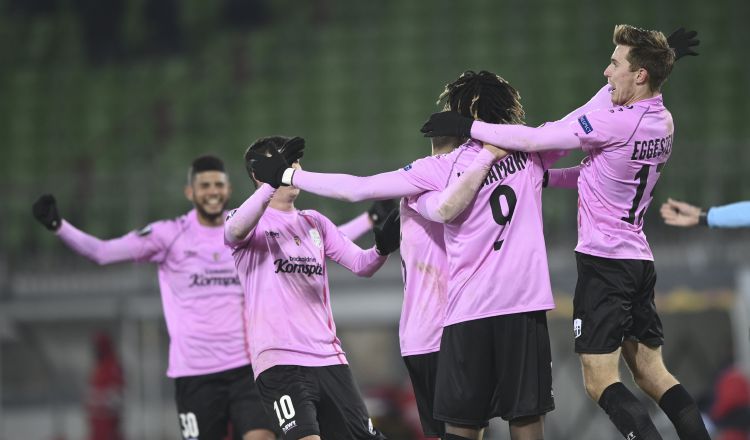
(242, 220)
(134, 246)
(356, 227)
(444, 206)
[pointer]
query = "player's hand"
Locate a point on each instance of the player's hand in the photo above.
(498, 152)
(677, 213)
(270, 169)
(379, 211)
(683, 42)
(293, 149)
(45, 211)
(388, 236)
(447, 123)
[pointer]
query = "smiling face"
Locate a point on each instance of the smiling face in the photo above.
(209, 191)
(625, 84)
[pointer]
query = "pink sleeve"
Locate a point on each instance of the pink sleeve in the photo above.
(241, 221)
(354, 188)
(357, 226)
(340, 249)
(444, 206)
(523, 138)
(606, 128)
(601, 100)
(564, 177)
(135, 246)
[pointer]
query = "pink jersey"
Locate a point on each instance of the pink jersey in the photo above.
(496, 254)
(424, 266)
(201, 294)
(627, 148)
(282, 268)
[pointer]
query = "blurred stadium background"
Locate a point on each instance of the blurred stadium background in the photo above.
(105, 103)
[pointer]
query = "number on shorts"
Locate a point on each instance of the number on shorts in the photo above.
(284, 407)
(189, 425)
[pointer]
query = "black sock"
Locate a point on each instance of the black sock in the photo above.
(627, 413)
(683, 412)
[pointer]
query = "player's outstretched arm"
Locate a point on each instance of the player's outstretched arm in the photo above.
(241, 221)
(350, 188)
(508, 136)
(130, 247)
(444, 206)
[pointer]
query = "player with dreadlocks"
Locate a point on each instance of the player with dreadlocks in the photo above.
(494, 354)
(628, 143)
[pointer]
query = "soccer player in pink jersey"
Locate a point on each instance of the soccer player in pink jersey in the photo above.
(202, 300)
(614, 312)
(280, 254)
(494, 357)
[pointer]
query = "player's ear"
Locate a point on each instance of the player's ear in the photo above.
(189, 192)
(641, 77)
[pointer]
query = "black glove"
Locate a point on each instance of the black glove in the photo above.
(447, 124)
(270, 169)
(545, 179)
(388, 236)
(682, 42)
(380, 210)
(45, 211)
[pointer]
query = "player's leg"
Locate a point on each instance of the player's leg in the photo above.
(249, 420)
(422, 370)
(523, 363)
(527, 428)
(642, 352)
(290, 395)
(342, 413)
(466, 378)
(202, 406)
(601, 312)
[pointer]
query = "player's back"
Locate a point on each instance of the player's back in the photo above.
(628, 146)
(496, 252)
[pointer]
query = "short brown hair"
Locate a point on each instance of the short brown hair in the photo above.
(648, 50)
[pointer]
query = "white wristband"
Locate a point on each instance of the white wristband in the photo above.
(286, 178)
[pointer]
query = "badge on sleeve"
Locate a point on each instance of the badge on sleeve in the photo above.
(585, 124)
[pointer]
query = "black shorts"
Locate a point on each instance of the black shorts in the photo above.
(207, 403)
(423, 373)
(321, 401)
(496, 366)
(614, 300)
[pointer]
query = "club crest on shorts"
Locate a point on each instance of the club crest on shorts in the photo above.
(315, 236)
(577, 324)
